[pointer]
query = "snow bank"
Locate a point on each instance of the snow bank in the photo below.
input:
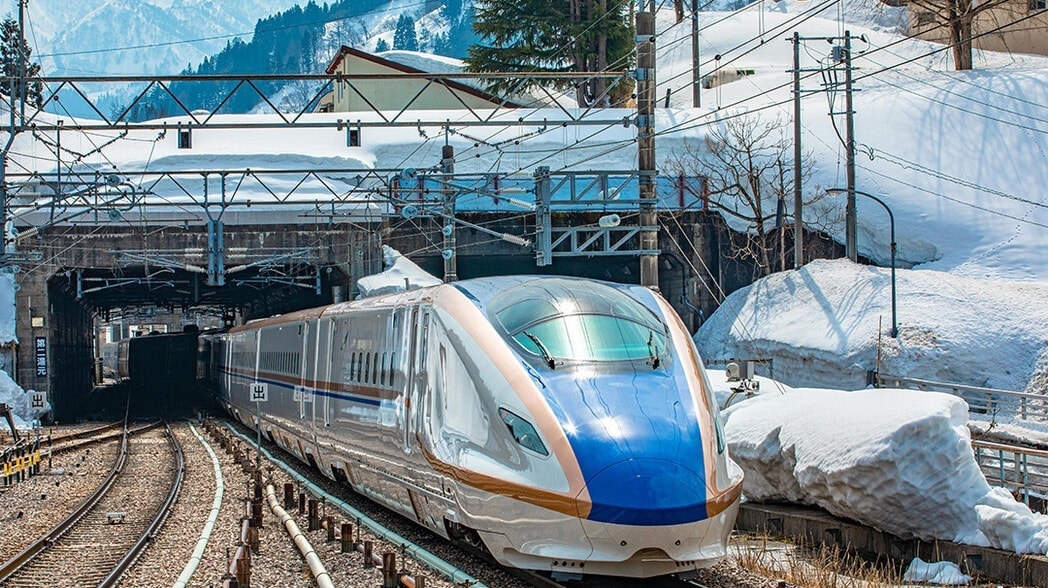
(12, 395)
(823, 324)
(896, 460)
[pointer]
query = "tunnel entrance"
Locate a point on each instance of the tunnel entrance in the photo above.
(90, 311)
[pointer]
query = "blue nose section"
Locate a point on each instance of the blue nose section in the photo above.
(647, 492)
(636, 436)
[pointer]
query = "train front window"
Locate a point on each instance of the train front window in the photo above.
(552, 319)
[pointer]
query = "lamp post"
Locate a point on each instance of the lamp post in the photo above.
(891, 222)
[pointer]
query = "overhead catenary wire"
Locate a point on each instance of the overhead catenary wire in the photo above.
(611, 146)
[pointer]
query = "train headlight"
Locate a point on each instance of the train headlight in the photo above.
(523, 431)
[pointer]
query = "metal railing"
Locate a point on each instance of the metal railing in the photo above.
(1022, 470)
(981, 401)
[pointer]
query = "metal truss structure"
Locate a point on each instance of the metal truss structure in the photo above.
(36, 201)
(318, 86)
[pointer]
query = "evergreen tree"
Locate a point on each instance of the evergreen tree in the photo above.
(404, 36)
(555, 36)
(381, 46)
(14, 59)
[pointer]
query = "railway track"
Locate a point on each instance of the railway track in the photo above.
(112, 431)
(101, 538)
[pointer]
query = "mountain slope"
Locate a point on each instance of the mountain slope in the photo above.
(136, 37)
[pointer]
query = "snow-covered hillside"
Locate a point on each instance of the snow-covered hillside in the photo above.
(135, 37)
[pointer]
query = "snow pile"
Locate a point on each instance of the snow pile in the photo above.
(12, 395)
(941, 573)
(7, 308)
(400, 274)
(823, 324)
(897, 460)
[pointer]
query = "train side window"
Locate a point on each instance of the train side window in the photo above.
(353, 367)
(392, 368)
(374, 370)
(367, 366)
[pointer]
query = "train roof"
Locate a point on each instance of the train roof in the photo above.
(482, 291)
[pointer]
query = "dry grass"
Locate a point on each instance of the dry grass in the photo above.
(820, 567)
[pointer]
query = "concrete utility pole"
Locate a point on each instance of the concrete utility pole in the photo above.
(851, 243)
(840, 55)
(649, 238)
(696, 79)
(447, 167)
(798, 200)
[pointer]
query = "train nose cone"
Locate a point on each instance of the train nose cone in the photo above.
(647, 492)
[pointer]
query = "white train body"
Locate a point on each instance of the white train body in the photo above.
(442, 404)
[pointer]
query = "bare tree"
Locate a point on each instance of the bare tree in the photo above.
(956, 16)
(745, 171)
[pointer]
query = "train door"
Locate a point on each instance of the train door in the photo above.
(312, 343)
(404, 322)
(419, 381)
(227, 368)
(324, 337)
(304, 389)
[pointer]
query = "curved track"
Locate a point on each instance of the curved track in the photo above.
(97, 542)
(110, 432)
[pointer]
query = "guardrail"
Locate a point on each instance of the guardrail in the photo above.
(983, 401)
(1022, 470)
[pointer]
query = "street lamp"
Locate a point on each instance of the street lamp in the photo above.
(891, 221)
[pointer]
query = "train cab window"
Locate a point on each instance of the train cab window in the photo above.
(556, 320)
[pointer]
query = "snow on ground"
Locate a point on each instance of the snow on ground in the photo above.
(823, 325)
(897, 460)
(18, 399)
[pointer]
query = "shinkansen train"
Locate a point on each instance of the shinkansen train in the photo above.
(564, 424)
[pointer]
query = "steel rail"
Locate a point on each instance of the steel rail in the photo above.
(85, 442)
(11, 566)
(86, 433)
(158, 521)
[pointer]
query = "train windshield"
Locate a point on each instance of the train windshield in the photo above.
(563, 319)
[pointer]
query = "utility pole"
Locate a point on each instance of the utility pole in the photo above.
(649, 235)
(851, 242)
(22, 57)
(840, 55)
(447, 167)
(798, 200)
(696, 79)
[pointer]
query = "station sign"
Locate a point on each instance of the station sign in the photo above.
(259, 392)
(36, 400)
(41, 356)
